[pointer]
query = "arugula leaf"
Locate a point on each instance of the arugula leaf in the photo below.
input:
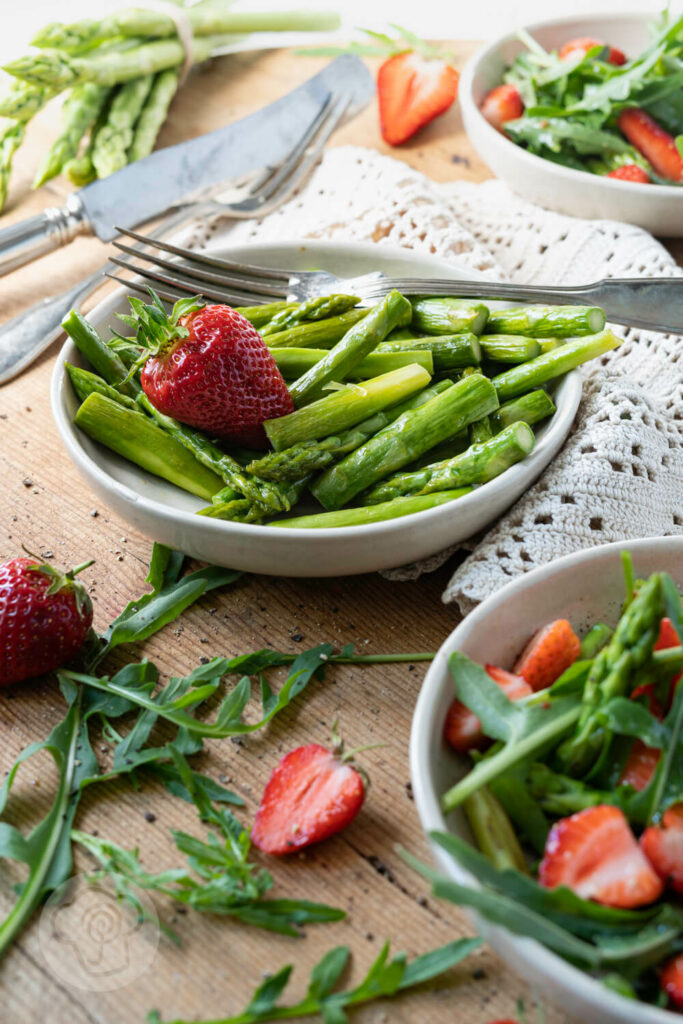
(385, 977)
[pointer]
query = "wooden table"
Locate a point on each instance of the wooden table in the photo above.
(45, 505)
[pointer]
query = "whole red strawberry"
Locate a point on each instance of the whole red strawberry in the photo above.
(312, 794)
(45, 615)
(211, 369)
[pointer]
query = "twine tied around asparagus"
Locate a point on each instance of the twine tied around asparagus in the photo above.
(183, 28)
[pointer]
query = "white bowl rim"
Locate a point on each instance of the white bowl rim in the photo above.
(569, 174)
(560, 424)
(428, 804)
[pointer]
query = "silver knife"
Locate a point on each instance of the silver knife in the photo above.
(143, 190)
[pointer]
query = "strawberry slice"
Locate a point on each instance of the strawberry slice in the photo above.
(595, 854)
(671, 978)
(640, 766)
(655, 144)
(501, 104)
(413, 89)
(663, 847)
(462, 728)
(311, 795)
(548, 654)
(585, 43)
(630, 172)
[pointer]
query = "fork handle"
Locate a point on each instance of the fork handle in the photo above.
(654, 303)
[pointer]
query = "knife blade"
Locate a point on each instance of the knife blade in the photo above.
(147, 188)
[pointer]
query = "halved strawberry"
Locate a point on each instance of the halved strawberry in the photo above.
(413, 89)
(640, 766)
(668, 637)
(630, 172)
(585, 43)
(655, 144)
(311, 795)
(595, 854)
(462, 728)
(671, 978)
(548, 654)
(501, 104)
(663, 847)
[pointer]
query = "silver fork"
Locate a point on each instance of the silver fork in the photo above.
(654, 303)
(23, 338)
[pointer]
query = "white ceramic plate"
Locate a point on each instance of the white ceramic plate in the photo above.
(585, 587)
(166, 513)
(658, 208)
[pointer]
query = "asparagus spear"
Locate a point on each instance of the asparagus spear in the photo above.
(255, 491)
(372, 514)
(136, 438)
(153, 114)
(79, 112)
(509, 348)
(311, 456)
(530, 408)
(11, 138)
(318, 333)
(314, 309)
(114, 139)
(80, 170)
(243, 511)
(86, 383)
(479, 463)
(448, 351)
(105, 361)
(406, 439)
(204, 19)
(258, 316)
(547, 321)
(481, 430)
(293, 362)
(449, 316)
(343, 409)
(392, 311)
(526, 376)
(493, 831)
(22, 101)
(548, 344)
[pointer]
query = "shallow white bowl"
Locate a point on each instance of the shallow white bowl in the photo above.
(584, 587)
(657, 208)
(166, 513)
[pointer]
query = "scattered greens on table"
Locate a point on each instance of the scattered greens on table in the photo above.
(122, 71)
(398, 408)
(560, 751)
(572, 104)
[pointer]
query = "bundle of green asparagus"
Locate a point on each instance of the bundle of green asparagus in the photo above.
(391, 409)
(122, 72)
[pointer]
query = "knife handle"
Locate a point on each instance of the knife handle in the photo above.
(25, 241)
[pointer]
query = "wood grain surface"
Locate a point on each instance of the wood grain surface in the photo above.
(44, 505)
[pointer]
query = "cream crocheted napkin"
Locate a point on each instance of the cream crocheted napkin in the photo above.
(620, 473)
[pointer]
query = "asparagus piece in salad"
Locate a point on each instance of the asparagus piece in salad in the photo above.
(392, 311)
(312, 456)
(411, 435)
(342, 409)
(449, 316)
(531, 408)
(547, 321)
(293, 363)
(316, 333)
(449, 351)
(480, 462)
(98, 353)
(362, 515)
(85, 383)
(313, 309)
(509, 348)
(525, 376)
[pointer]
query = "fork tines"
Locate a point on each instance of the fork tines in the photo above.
(189, 272)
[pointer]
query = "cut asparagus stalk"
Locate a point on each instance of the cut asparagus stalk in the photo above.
(481, 430)
(312, 456)
(547, 321)
(509, 348)
(548, 344)
(86, 383)
(103, 358)
(449, 352)
(230, 471)
(530, 408)
(405, 440)
(478, 464)
(526, 376)
(449, 316)
(372, 514)
(393, 311)
(134, 436)
(319, 308)
(258, 316)
(317, 333)
(493, 831)
(293, 362)
(345, 408)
